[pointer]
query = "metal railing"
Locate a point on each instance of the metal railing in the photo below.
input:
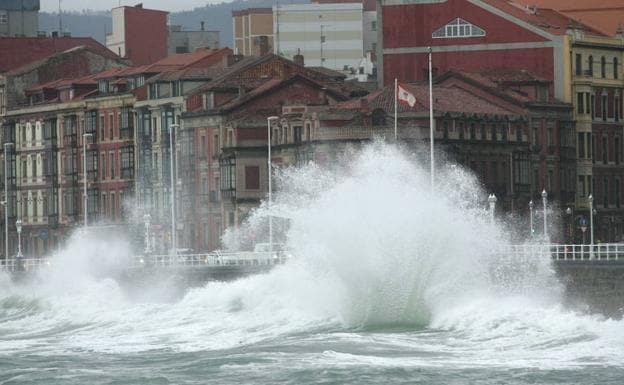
(214, 259)
(557, 252)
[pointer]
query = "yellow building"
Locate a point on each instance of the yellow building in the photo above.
(253, 31)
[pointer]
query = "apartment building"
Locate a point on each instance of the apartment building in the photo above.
(253, 31)
(19, 18)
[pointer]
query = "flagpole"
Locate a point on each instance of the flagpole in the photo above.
(431, 130)
(395, 109)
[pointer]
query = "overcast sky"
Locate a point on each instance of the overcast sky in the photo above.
(165, 5)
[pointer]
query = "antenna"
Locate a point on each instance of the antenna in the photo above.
(60, 20)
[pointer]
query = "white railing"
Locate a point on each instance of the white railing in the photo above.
(214, 259)
(601, 252)
(598, 252)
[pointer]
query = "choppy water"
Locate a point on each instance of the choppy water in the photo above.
(400, 292)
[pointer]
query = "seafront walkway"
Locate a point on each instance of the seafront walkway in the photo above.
(263, 260)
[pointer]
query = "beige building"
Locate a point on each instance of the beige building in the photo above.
(253, 31)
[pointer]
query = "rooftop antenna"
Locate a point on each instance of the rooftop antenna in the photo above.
(60, 20)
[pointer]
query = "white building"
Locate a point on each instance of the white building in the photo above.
(331, 35)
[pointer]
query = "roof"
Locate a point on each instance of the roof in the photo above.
(186, 74)
(19, 51)
(252, 11)
(446, 99)
(182, 60)
(605, 16)
(548, 20)
(59, 83)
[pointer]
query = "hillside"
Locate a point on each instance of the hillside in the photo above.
(216, 16)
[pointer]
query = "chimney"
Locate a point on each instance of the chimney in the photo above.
(233, 59)
(364, 104)
(202, 25)
(298, 58)
(140, 5)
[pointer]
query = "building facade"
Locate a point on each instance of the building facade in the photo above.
(138, 34)
(253, 31)
(19, 18)
(181, 41)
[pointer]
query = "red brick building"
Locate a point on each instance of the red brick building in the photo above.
(138, 34)
(471, 36)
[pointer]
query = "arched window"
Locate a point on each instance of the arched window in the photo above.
(603, 67)
(615, 68)
(590, 69)
(458, 28)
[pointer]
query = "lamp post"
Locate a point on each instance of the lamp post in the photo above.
(492, 201)
(531, 217)
(174, 243)
(6, 201)
(269, 171)
(569, 216)
(147, 219)
(590, 199)
(85, 197)
(18, 226)
(544, 202)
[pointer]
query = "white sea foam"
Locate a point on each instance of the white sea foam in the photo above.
(378, 260)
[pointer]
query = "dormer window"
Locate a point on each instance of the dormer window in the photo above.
(103, 86)
(458, 28)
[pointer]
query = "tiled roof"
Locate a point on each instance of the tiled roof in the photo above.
(19, 51)
(549, 20)
(602, 15)
(85, 80)
(445, 99)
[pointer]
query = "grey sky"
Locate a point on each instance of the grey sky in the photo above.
(165, 5)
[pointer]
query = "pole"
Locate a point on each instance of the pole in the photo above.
(396, 91)
(431, 117)
(269, 171)
(18, 225)
(492, 200)
(544, 201)
(531, 217)
(174, 243)
(6, 201)
(591, 222)
(85, 197)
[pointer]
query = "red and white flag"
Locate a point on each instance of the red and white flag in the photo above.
(405, 97)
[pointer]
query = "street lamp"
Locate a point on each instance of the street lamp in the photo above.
(18, 226)
(174, 242)
(492, 202)
(544, 202)
(591, 222)
(269, 171)
(6, 201)
(147, 219)
(531, 217)
(570, 231)
(85, 197)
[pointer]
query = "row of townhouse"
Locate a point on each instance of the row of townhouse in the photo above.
(215, 105)
(576, 47)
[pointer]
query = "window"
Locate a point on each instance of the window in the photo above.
(518, 134)
(615, 68)
(483, 132)
(591, 146)
(617, 193)
(252, 177)
(603, 67)
(111, 126)
(616, 108)
(297, 134)
(127, 162)
(373, 25)
(473, 133)
(587, 102)
(458, 28)
(4, 17)
(617, 148)
(111, 158)
(592, 106)
(461, 131)
(590, 70)
(603, 107)
(579, 103)
(493, 134)
(101, 127)
(605, 155)
(579, 64)
(550, 180)
(549, 136)
(581, 145)
(605, 192)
